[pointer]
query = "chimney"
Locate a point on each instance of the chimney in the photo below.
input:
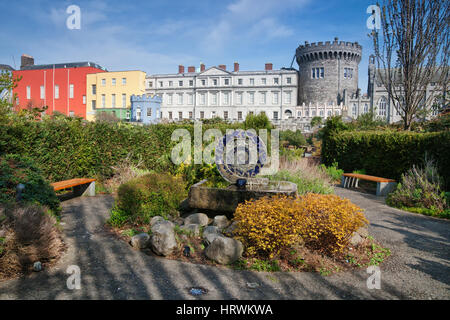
(26, 60)
(222, 66)
(202, 67)
(191, 69)
(236, 67)
(268, 66)
(180, 69)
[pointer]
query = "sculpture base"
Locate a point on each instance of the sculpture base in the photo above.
(227, 200)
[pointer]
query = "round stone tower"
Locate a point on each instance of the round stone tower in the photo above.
(328, 72)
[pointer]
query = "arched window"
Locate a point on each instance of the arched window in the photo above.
(366, 108)
(382, 106)
(354, 110)
(288, 113)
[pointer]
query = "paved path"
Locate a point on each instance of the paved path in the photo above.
(111, 269)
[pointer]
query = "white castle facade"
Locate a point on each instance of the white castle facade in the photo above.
(230, 95)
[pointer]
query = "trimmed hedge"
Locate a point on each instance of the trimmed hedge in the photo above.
(387, 154)
(65, 148)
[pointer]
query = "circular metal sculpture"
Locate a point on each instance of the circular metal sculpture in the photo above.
(240, 155)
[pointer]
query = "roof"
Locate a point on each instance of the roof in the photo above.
(6, 67)
(63, 65)
(170, 75)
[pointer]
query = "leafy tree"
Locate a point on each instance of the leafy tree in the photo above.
(257, 122)
(7, 84)
(316, 121)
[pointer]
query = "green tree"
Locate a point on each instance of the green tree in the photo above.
(257, 122)
(7, 84)
(316, 121)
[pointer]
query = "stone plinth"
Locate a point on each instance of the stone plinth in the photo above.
(226, 200)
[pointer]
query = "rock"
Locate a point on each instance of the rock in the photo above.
(359, 236)
(224, 250)
(156, 219)
(37, 266)
(179, 221)
(197, 218)
(363, 232)
(231, 229)
(163, 240)
(140, 241)
(159, 219)
(221, 222)
(210, 233)
(2, 233)
(191, 228)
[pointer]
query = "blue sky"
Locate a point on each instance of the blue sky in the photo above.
(157, 36)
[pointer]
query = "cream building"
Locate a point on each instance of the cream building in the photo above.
(111, 91)
(231, 95)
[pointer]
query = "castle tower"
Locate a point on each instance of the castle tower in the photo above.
(328, 72)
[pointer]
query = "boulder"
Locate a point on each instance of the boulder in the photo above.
(224, 250)
(2, 233)
(192, 228)
(210, 233)
(140, 241)
(163, 240)
(179, 221)
(197, 218)
(231, 229)
(221, 222)
(359, 236)
(159, 219)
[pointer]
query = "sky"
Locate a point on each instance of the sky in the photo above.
(157, 36)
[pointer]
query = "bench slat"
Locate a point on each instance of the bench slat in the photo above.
(367, 177)
(60, 185)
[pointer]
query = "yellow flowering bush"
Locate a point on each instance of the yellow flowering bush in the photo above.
(271, 224)
(328, 221)
(267, 225)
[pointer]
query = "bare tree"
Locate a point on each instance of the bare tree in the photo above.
(412, 53)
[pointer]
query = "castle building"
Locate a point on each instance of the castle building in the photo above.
(61, 87)
(110, 92)
(328, 72)
(230, 95)
(145, 109)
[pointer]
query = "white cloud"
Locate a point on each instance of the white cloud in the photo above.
(249, 20)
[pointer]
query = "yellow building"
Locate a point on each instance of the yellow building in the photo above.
(111, 91)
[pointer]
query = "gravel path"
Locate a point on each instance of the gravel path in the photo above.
(111, 269)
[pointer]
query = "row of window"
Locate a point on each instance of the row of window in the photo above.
(215, 82)
(225, 115)
(55, 91)
(226, 98)
(113, 101)
(113, 81)
(314, 113)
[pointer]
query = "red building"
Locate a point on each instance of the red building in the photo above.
(61, 87)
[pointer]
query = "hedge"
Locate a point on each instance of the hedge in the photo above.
(386, 153)
(66, 148)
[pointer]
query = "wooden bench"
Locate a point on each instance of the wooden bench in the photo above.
(384, 185)
(81, 186)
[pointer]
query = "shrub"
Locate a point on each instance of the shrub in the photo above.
(15, 169)
(328, 221)
(150, 195)
(420, 188)
(324, 222)
(386, 153)
(256, 122)
(333, 171)
(308, 176)
(31, 236)
(268, 225)
(294, 138)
